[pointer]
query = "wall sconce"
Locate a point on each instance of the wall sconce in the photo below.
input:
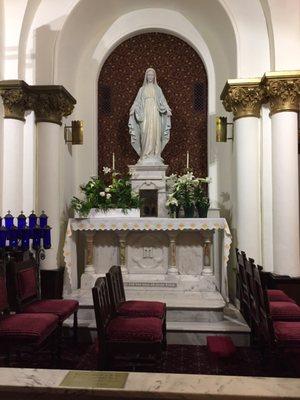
(221, 129)
(74, 133)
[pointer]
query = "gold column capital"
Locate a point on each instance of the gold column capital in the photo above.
(17, 98)
(243, 97)
(52, 103)
(282, 90)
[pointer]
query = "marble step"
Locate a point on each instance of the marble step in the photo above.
(181, 306)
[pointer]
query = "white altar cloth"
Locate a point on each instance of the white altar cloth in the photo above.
(141, 224)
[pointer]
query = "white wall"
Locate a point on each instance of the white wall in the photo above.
(66, 42)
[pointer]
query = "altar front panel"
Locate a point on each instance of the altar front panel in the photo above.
(158, 252)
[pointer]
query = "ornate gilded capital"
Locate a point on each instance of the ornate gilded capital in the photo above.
(17, 98)
(282, 90)
(52, 103)
(243, 97)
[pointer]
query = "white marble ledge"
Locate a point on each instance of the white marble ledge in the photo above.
(147, 385)
(178, 299)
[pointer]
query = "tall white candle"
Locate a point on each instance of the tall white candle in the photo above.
(113, 162)
(187, 160)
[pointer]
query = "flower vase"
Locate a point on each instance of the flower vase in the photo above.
(189, 211)
(174, 211)
(202, 211)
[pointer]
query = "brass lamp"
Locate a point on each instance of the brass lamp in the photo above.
(221, 129)
(74, 133)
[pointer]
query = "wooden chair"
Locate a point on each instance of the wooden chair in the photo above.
(135, 341)
(24, 283)
(273, 335)
(132, 308)
(244, 287)
(24, 332)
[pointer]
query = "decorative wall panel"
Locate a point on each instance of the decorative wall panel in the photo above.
(182, 77)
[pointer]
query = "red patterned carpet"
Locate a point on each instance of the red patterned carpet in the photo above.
(177, 359)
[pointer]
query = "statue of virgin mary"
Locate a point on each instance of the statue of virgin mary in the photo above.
(150, 121)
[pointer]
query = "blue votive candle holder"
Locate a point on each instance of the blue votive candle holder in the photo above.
(21, 221)
(36, 243)
(13, 237)
(43, 220)
(3, 235)
(32, 220)
(25, 238)
(47, 237)
(9, 220)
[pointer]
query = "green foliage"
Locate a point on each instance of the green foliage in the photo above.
(103, 197)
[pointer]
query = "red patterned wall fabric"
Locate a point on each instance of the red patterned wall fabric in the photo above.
(182, 77)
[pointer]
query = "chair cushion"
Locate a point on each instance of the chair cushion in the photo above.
(220, 346)
(122, 329)
(27, 284)
(62, 308)
(284, 311)
(27, 328)
(3, 294)
(287, 332)
(136, 308)
(278, 295)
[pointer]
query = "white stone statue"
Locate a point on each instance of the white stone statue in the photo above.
(150, 121)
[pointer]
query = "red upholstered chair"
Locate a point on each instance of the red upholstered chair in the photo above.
(25, 279)
(273, 334)
(24, 332)
(132, 308)
(120, 338)
(278, 295)
(283, 308)
(273, 294)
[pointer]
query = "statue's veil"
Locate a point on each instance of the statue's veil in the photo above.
(145, 77)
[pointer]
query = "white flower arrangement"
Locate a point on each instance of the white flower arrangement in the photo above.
(186, 191)
(102, 194)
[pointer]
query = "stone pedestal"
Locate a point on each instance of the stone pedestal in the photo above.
(151, 177)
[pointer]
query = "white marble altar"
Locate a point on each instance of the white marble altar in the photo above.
(160, 253)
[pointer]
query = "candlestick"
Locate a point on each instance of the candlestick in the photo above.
(187, 160)
(113, 162)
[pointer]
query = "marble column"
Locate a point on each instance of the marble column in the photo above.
(16, 100)
(283, 94)
(51, 105)
(122, 251)
(244, 98)
(172, 267)
(208, 267)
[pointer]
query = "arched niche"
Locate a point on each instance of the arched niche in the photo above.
(183, 79)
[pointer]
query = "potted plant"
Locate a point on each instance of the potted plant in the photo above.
(187, 192)
(109, 195)
(200, 197)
